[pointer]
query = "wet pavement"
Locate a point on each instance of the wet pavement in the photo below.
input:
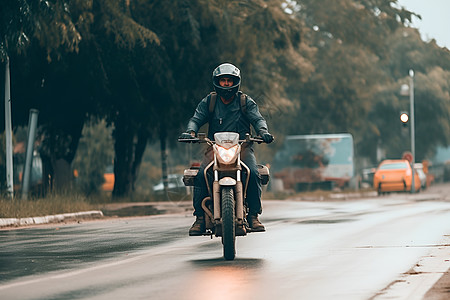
(133, 211)
(278, 256)
(48, 248)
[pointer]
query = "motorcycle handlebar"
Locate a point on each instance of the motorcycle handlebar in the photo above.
(257, 139)
(193, 140)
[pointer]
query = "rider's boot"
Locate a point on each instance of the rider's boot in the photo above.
(254, 224)
(240, 230)
(198, 228)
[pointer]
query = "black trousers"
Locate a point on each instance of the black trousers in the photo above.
(254, 185)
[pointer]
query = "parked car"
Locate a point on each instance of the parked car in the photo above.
(175, 184)
(367, 177)
(395, 175)
(422, 175)
(108, 179)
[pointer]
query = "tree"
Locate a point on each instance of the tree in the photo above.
(45, 29)
(94, 155)
(431, 65)
(144, 65)
(353, 84)
(49, 23)
(62, 67)
(197, 36)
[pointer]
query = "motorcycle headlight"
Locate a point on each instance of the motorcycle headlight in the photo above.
(227, 155)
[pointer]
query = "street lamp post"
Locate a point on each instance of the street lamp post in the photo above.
(413, 137)
(409, 90)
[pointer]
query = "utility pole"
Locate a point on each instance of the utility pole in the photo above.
(413, 141)
(32, 125)
(8, 134)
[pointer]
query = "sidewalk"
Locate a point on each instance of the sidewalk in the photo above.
(441, 289)
(131, 209)
(16, 222)
(414, 279)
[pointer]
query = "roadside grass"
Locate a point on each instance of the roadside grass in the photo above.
(70, 203)
(50, 205)
(73, 202)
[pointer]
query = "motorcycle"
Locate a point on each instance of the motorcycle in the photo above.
(226, 207)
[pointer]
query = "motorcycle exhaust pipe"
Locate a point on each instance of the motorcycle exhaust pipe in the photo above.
(216, 199)
(206, 208)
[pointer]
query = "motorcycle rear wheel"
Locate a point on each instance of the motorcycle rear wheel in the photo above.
(228, 224)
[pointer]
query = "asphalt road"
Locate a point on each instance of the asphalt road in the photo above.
(394, 247)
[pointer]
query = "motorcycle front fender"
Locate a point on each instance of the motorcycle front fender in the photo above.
(227, 181)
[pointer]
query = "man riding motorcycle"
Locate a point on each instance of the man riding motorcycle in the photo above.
(228, 114)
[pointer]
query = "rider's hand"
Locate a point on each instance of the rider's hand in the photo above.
(266, 136)
(187, 136)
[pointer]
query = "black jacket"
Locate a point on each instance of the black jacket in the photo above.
(227, 117)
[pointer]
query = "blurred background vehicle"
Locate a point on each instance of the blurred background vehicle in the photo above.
(422, 176)
(316, 161)
(395, 175)
(367, 177)
(108, 177)
(175, 184)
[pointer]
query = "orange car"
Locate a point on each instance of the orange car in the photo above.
(394, 175)
(108, 179)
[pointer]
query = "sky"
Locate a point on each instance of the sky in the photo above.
(435, 21)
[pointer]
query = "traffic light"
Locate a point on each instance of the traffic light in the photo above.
(404, 117)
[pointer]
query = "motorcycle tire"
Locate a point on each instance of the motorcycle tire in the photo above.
(228, 224)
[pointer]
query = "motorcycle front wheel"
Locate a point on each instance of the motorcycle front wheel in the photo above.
(228, 224)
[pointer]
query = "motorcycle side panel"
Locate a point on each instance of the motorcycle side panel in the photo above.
(264, 173)
(189, 176)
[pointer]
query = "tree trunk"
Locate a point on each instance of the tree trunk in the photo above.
(141, 144)
(57, 153)
(129, 146)
(47, 174)
(62, 175)
(123, 160)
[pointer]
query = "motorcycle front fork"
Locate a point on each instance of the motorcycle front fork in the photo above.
(238, 198)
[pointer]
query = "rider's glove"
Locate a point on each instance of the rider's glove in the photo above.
(186, 136)
(266, 136)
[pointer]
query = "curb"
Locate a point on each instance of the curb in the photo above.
(49, 219)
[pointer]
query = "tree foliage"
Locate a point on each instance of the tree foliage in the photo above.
(431, 66)
(362, 53)
(312, 66)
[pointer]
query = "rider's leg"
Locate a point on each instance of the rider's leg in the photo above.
(254, 190)
(200, 188)
(200, 192)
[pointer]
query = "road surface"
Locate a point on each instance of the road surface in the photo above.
(393, 247)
